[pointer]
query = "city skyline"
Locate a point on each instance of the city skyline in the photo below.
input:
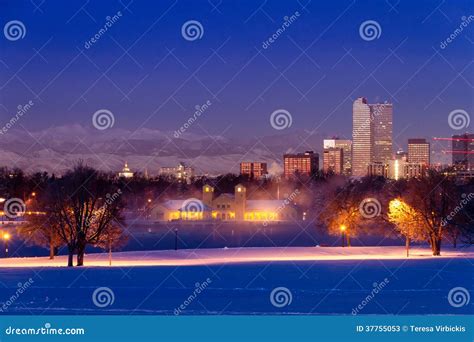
(152, 85)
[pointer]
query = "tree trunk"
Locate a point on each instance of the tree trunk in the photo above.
(51, 250)
(70, 256)
(348, 239)
(81, 248)
(455, 241)
(407, 245)
(436, 245)
(110, 253)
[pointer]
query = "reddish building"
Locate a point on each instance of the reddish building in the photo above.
(300, 164)
(253, 169)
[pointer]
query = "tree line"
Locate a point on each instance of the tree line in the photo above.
(86, 207)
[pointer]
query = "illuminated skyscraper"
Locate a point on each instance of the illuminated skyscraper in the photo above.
(419, 151)
(372, 135)
(362, 137)
(381, 114)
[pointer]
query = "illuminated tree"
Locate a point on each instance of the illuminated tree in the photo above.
(433, 197)
(407, 221)
(85, 204)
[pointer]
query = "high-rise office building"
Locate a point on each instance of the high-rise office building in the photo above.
(381, 114)
(463, 152)
(333, 160)
(372, 135)
(362, 137)
(346, 146)
(419, 151)
(305, 164)
(253, 169)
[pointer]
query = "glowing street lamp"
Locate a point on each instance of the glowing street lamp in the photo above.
(343, 229)
(6, 237)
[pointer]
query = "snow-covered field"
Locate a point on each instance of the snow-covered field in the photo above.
(190, 257)
(318, 280)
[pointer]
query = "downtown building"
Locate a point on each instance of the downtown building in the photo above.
(346, 150)
(333, 160)
(371, 137)
(300, 164)
(181, 172)
(463, 152)
(419, 151)
(253, 170)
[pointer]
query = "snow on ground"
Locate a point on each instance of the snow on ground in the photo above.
(197, 257)
(324, 280)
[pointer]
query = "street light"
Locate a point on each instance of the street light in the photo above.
(343, 229)
(6, 237)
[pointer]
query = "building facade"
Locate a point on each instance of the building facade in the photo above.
(382, 114)
(300, 164)
(346, 146)
(371, 135)
(377, 169)
(181, 172)
(254, 170)
(463, 152)
(419, 151)
(362, 137)
(225, 207)
(333, 160)
(125, 173)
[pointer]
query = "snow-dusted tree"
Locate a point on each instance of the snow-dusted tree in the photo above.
(407, 221)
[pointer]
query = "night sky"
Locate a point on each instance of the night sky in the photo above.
(148, 75)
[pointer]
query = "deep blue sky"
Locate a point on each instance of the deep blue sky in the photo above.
(424, 86)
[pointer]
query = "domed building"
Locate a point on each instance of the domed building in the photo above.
(125, 173)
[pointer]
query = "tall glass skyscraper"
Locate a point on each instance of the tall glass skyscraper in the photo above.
(372, 135)
(382, 127)
(362, 137)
